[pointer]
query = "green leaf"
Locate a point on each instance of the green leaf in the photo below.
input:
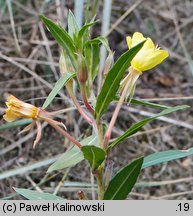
(85, 28)
(73, 27)
(145, 103)
(99, 40)
(57, 87)
(73, 156)
(61, 36)
(137, 126)
(15, 124)
(165, 156)
(94, 155)
(113, 79)
(123, 182)
(34, 195)
(92, 56)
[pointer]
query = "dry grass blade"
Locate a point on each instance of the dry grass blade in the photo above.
(124, 16)
(13, 25)
(27, 168)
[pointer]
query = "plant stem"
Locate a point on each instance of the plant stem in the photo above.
(100, 133)
(100, 183)
(79, 108)
(63, 132)
(84, 98)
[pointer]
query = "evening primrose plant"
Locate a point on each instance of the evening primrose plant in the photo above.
(79, 65)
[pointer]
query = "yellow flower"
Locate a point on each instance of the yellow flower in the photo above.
(18, 109)
(149, 55)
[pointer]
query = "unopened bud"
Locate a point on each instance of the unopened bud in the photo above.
(82, 72)
(62, 64)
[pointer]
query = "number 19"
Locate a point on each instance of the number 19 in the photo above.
(183, 206)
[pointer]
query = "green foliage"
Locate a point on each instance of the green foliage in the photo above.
(123, 182)
(94, 155)
(57, 87)
(73, 27)
(34, 195)
(113, 79)
(92, 52)
(15, 124)
(62, 37)
(92, 55)
(73, 156)
(137, 126)
(165, 156)
(84, 29)
(145, 103)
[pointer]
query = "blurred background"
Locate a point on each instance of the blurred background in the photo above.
(29, 68)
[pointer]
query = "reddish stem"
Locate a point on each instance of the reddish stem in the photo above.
(79, 108)
(84, 98)
(63, 132)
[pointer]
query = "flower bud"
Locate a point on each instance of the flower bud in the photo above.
(82, 71)
(65, 66)
(62, 64)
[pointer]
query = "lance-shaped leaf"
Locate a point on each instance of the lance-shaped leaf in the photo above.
(99, 40)
(85, 28)
(17, 123)
(73, 27)
(34, 195)
(145, 103)
(57, 87)
(165, 156)
(59, 34)
(137, 126)
(62, 37)
(123, 182)
(73, 156)
(94, 155)
(92, 56)
(113, 79)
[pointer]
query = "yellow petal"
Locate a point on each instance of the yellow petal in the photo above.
(149, 56)
(10, 116)
(129, 42)
(148, 44)
(146, 60)
(137, 38)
